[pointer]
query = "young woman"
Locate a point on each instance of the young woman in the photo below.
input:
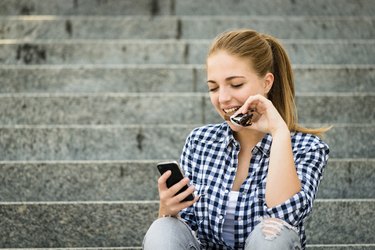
(255, 184)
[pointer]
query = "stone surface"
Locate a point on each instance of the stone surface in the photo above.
(92, 142)
(284, 27)
(310, 247)
(108, 109)
(171, 27)
(342, 247)
(335, 79)
(96, 79)
(91, 224)
(284, 7)
(119, 224)
(162, 108)
(134, 142)
(171, 52)
(136, 180)
(348, 179)
(341, 222)
(307, 51)
(54, 27)
(79, 181)
(167, 78)
(93, 52)
(85, 7)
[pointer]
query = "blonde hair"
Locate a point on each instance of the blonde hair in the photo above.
(265, 55)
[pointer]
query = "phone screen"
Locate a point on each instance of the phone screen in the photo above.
(175, 177)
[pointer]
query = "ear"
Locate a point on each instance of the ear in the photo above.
(268, 82)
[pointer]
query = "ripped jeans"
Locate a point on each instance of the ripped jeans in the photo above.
(173, 234)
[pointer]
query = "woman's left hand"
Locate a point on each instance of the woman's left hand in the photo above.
(266, 117)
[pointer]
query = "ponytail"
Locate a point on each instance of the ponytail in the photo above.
(282, 93)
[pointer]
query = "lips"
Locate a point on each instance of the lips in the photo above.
(229, 112)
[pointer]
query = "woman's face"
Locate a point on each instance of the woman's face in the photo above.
(231, 80)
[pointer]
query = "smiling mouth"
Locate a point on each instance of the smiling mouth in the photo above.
(229, 112)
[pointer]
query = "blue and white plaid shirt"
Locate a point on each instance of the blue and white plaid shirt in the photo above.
(210, 158)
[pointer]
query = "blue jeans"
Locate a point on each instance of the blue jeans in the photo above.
(173, 234)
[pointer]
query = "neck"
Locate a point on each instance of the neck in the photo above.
(248, 138)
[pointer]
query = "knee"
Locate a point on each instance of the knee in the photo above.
(273, 233)
(272, 228)
(168, 233)
(160, 226)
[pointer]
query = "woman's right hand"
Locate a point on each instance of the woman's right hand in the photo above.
(170, 203)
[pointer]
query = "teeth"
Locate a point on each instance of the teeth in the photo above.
(230, 110)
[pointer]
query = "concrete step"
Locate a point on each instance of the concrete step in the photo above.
(275, 7)
(166, 108)
(72, 27)
(121, 224)
(85, 7)
(167, 78)
(136, 142)
(289, 27)
(137, 180)
(308, 51)
(197, 27)
(341, 247)
(171, 51)
(310, 247)
(181, 7)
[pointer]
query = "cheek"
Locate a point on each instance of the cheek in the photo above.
(245, 93)
(215, 103)
(214, 100)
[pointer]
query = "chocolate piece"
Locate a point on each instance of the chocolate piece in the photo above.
(243, 120)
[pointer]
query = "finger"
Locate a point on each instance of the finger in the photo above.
(162, 181)
(185, 204)
(256, 103)
(177, 187)
(180, 197)
(250, 104)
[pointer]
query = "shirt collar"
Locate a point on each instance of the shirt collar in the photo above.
(225, 134)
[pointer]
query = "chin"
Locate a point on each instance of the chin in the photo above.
(234, 128)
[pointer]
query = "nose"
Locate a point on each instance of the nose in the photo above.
(224, 95)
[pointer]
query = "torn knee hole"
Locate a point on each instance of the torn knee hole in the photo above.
(271, 227)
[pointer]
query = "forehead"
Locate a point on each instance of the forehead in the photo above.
(222, 63)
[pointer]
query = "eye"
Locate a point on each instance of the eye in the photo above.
(213, 89)
(237, 85)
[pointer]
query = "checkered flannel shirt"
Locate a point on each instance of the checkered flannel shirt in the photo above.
(209, 159)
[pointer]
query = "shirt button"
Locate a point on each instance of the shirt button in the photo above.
(221, 217)
(226, 191)
(239, 218)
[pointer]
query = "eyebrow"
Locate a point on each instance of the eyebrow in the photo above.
(227, 79)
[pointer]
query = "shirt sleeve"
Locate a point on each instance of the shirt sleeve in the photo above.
(187, 214)
(310, 164)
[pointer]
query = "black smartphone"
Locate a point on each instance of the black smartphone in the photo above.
(175, 177)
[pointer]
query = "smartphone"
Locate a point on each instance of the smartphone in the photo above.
(175, 177)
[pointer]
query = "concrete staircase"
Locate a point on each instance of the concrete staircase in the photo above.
(93, 93)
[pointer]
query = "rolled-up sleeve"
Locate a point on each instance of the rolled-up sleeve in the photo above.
(310, 163)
